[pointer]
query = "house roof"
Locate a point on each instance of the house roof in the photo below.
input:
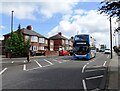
(29, 32)
(57, 36)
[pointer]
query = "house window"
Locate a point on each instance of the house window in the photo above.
(41, 48)
(63, 42)
(66, 41)
(51, 49)
(34, 39)
(46, 41)
(51, 43)
(35, 48)
(41, 40)
(26, 38)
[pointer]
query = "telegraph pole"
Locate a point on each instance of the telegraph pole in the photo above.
(111, 37)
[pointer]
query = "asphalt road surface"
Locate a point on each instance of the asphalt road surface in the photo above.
(62, 72)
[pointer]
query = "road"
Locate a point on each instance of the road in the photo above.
(62, 72)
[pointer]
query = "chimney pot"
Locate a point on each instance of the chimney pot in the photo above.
(29, 27)
(60, 33)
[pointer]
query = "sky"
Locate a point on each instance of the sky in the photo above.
(48, 17)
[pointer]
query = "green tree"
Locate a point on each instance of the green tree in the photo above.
(111, 8)
(16, 45)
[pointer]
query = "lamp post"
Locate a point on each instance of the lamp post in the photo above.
(111, 37)
(11, 30)
(12, 21)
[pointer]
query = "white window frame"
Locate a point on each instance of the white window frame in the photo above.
(41, 48)
(41, 40)
(34, 39)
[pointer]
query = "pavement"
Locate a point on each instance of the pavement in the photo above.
(113, 73)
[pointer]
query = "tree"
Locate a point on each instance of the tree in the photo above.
(111, 8)
(16, 45)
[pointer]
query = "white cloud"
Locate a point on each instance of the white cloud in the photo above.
(2, 27)
(59, 6)
(50, 0)
(89, 22)
(21, 10)
(26, 10)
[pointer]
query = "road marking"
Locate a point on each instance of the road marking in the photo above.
(3, 70)
(108, 56)
(48, 62)
(87, 63)
(84, 85)
(97, 89)
(33, 68)
(104, 63)
(94, 70)
(83, 68)
(12, 62)
(24, 66)
(46, 65)
(56, 61)
(65, 60)
(97, 66)
(38, 63)
(94, 77)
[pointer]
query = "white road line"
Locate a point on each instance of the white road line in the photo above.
(87, 63)
(38, 63)
(56, 61)
(48, 62)
(94, 77)
(33, 68)
(46, 65)
(83, 68)
(94, 70)
(108, 56)
(24, 66)
(97, 66)
(12, 62)
(3, 70)
(104, 63)
(84, 85)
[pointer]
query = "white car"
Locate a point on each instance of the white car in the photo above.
(107, 51)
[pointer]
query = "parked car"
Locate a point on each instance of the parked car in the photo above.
(107, 51)
(63, 53)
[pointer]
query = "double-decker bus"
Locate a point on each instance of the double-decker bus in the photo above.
(84, 47)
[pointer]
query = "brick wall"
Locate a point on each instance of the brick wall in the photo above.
(51, 53)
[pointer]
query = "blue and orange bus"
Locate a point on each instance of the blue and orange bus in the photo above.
(84, 47)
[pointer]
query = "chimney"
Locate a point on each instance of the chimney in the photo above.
(60, 33)
(72, 37)
(29, 27)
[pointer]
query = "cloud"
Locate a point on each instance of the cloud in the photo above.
(27, 10)
(83, 21)
(2, 27)
(21, 10)
(50, 0)
(48, 9)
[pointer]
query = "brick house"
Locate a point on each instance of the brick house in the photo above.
(70, 42)
(38, 42)
(60, 42)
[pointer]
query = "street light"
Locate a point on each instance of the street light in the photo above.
(11, 30)
(12, 21)
(111, 37)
